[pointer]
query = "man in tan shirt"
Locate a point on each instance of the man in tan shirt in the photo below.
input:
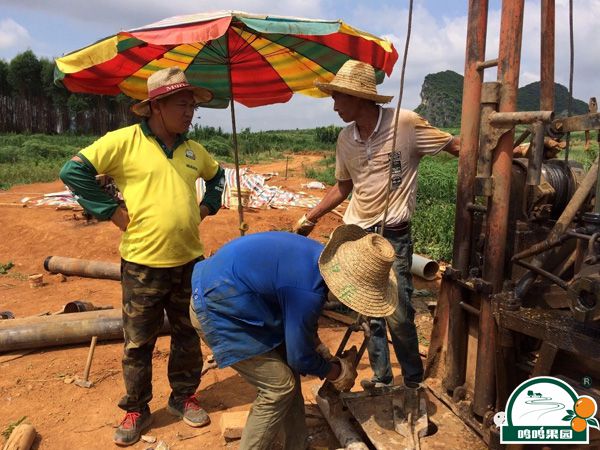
(363, 153)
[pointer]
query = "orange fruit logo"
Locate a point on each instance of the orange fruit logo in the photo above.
(582, 414)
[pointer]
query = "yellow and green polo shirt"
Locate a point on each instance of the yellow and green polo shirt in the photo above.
(158, 187)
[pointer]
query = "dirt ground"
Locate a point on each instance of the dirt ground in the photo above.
(70, 417)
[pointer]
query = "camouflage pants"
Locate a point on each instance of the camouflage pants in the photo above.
(147, 293)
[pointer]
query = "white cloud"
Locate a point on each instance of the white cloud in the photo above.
(13, 35)
(118, 15)
(438, 43)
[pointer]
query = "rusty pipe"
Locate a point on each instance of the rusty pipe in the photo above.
(547, 55)
(540, 247)
(536, 155)
(510, 119)
(487, 64)
(456, 356)
(509, 56)
(83, 267)
(62, 329)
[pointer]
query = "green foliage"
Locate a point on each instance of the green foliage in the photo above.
(258, 145)
(4, 84)
(329, 134)
(218, 146)
(441, 99)
(528, 99)
(24, 74)
(11, 426)
(36, 157)
(433, 220)
(4, 268)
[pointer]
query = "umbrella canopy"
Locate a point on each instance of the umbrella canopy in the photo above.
(254, 59)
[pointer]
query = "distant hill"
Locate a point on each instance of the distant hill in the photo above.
(441, 97)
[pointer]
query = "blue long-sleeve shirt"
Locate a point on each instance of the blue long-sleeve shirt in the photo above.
(258, 292)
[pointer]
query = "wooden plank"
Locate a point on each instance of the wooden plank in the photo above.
(545, 359)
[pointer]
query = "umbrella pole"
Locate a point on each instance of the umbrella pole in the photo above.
(243, 226)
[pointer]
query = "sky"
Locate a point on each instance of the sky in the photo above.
(52, 28)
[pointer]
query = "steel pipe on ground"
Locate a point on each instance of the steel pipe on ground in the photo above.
(83, 267)
(62, 329)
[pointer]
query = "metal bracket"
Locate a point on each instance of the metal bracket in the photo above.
(484, 186)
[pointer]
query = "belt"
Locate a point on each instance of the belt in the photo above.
(399, 229)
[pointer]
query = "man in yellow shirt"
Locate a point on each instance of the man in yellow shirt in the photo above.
(155, 168)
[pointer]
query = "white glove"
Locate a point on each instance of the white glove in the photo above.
(304, 226)
(345, 380)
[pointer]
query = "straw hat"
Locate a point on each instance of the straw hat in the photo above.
(356, 266)
(355, 78)
(166, 82)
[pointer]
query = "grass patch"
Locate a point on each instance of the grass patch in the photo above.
(11, 426)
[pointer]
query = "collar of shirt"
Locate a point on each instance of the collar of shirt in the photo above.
(181, 138)
(356, 134)
(367, 143)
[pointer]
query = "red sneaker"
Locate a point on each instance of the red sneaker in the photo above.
(189, 410)
(131, 427)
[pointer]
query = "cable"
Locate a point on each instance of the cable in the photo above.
(406, 45)
(571, 66)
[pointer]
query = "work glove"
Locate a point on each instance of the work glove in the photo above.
(348, 373)
(324, 352)
(304, 226)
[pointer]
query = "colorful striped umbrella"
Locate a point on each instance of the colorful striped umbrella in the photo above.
(258, 60)
(254, 59)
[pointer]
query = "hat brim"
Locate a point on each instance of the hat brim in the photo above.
(201, 95)
(329, 88)
(330, 268)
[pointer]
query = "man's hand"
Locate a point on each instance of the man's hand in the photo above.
(304, 226)
(120, 218)
(324, 351)
(345, 380)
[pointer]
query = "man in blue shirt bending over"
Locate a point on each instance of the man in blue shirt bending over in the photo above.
(257, 302)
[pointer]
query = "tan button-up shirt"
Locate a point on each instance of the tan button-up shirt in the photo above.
(367, 164)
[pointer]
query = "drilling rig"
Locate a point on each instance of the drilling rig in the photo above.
(522, 296)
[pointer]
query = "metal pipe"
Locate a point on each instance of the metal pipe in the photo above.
(83, 267)
(597, 197)
(424, 267)
(547, 55)
(540, 247)
(536, 155)
(524, 135)
(590, 121)
(456, 356)
(340, 422)
(470, 309)
(477, 208)
(236, 156)
(62, 329)
(557, 280)
(509, 56)
(487, 64)
(509, 119)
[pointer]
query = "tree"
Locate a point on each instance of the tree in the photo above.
(24, 74)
